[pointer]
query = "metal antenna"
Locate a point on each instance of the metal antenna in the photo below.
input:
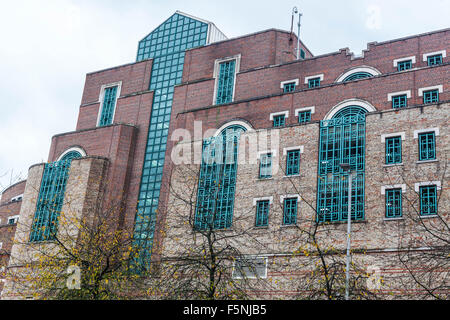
(298, 35)
(294, 11)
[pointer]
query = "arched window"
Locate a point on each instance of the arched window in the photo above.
(217, 181)
(342, 141)
(71, 155)
(357, 75)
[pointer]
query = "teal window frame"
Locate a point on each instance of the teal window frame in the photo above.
(279, 121)
(357, 76)
(431, 96)
(265, 166)
(400, 101)
(393, 203)
(262, 213)
(428, 200)
(302, 53)
(304, 116)
(225, 82)
(289, 87)
(394, 150)
(404, 65)
(108, 106)
(434, 60)
(50, 201)
(290, 211)
(314, 83)
(217, 180)
(293, 163)
(427, 146)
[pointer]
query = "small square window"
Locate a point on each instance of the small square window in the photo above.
(265, 166)
(289, 87)
(428, 200)
(427, 146)
(393, 150)
(279, 121)
(314, 83)
(404, 65)
(262, 213)
(304, 117)
(394, 203)
(400, 101)
(431, 96)
(434, 60)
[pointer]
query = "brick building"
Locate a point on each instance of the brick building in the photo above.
(295, 119)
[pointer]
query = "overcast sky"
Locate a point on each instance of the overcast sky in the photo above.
(48, 46)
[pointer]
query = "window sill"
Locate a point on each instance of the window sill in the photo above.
(393, 165)
(293, 176)
(394, 219)
(427, 161)
(265, 179)
(261, 228)
(430, 216)
(289, 226)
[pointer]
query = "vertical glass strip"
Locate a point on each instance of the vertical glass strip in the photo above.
(108, 107)
(166, 45)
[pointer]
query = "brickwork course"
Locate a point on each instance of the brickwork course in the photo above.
(266, 59)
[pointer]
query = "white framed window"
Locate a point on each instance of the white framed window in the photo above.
(107, 111)
(439, 87)
(250, 268)
(286, 150)
(225, 84)
(417, 132)
(319, 76)
(399, 93)
(17, 198)
(397, 61)
(435, 53)
(13, 219)
(256, 200)
(427, 183)
(299, 110)
(393, 186)
(391, 135)
(290, 196)
(276, 114)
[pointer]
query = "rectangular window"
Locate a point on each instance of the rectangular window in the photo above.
(431, 96)
(265, 166)
(293, 163)
(108, 107)
(250, 268)
(428, 200)
(399, 101)
(262, 213)
(304, 117)
(393, 150)
(404, 65)
(302, 54)
(434, 60)
(290, 211)
(427, 146)
(314, 83)
(394, 203)
(289, 87)
(279, 121)
(225, 82)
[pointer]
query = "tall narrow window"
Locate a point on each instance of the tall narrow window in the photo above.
(427, 146)
(404, 65)
(279, 121)
(431, 96)
(225, 82)
(217, 181)
(265, 166)
(428, 200)
(293, 163)
(108, 106)
(399, 101)
(394, 203)
(262, 213)
(434, 60)
(393, 150)
(50, 201)
(290, 211)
